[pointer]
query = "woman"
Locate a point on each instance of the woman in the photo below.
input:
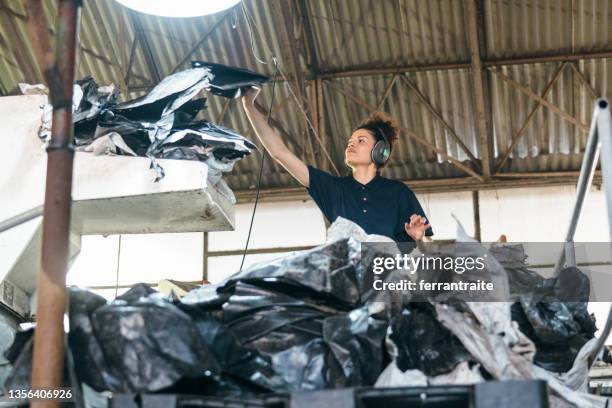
(377, 204)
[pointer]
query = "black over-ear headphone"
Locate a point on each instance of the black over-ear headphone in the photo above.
(382, 149)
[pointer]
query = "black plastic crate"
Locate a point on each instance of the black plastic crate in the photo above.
(422, 397)
(189, 401)
(492, 394)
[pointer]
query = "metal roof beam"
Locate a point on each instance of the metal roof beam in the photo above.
(480, 110)
(200, 42)
(421, 186)
(283, 11)
(584, 81)
(387, 92)
(146, 48)
(436, 113)
(582, 126)
(114, 63)
(517, 137)
(444, 66)
(361, 72)
(311, 50)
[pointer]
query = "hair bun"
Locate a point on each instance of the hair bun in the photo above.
(385, 123)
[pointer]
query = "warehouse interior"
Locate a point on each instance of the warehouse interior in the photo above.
(495, 101)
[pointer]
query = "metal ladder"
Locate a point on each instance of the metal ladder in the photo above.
(599, 141)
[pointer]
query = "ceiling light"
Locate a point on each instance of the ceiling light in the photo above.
(179, 8)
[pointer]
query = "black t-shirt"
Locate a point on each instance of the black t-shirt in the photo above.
(380, 207)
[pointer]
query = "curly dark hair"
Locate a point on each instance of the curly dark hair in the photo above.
(380, 122)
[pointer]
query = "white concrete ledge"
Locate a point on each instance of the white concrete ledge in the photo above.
(111, 194)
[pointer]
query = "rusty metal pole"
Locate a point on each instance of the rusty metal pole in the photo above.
(48, 358)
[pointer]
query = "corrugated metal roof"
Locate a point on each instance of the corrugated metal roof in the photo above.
(360, 35)
(548, 133)
(370, 33)
(536, 27)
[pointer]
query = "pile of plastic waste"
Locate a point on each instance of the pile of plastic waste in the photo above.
(309, 321)
(166, 123)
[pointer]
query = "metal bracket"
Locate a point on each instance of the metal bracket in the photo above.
(55, 145)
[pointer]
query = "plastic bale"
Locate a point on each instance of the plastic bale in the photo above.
(356, 343)
(89, 359)
(556, 319)
(423, 343)
(149, 343)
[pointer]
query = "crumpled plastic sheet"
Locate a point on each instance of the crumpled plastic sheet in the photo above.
(466, 246)
(88, 101)
(492, 312)
(220, 140)
(157, 109)
(390, 301)
(561, 396)
(110, 144)
(216, 168)
(230, 81)
(392, 377)
(331, 270)
(554, 315)
(140, 342)
(356, 340)
(300, 323)
(311, 344)
(493, 340)
(577, 377)
(297, 323)
(302, 313)
(551, 312)
(236, 361)
(511, 256)
(342, 228)
(557, 330)
(133, 133)
(172, 92)
(90, 363)
(32, 89)
(323, 275)
(161, 124)
(464, 373)
(167, 121)
(557, 322)
(502, 362)
(20, 354)
(172, 348)
(422, 343)
(217, 146)
(93, 100)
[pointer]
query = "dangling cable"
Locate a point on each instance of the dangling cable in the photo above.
(118, 263)
(263, 158)
(235, 22)
(263, 153)
(248, 18)
(246, 14)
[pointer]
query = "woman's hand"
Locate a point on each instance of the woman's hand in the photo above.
(416, 227)
(248, 99)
